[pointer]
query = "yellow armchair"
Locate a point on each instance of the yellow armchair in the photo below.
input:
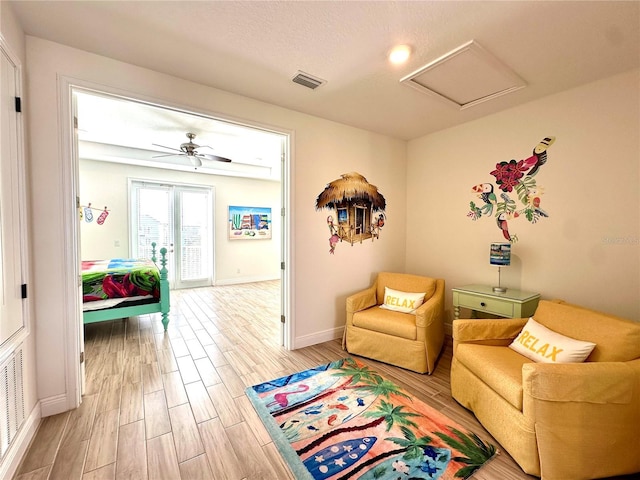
(559, 421)
(408, 340)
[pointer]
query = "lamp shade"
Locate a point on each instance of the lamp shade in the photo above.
(500, 255)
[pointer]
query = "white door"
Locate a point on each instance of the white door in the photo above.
(74, 153)
(193, 240)
(179, 218)
(11, 318)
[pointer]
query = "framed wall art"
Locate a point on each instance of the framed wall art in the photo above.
(249, 223)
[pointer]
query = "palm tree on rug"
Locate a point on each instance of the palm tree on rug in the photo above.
(386, 412)
(358, 377)
(475, 450)
(412, 447)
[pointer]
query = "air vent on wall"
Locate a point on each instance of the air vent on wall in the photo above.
(12, 411)
(307, 80)
(465, 77)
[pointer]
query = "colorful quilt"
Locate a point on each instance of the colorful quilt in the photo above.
(119, 278)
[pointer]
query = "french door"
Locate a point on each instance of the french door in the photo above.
(179, 218)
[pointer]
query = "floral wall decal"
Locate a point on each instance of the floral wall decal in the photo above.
(513, 176)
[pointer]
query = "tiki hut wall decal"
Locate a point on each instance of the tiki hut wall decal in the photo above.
(356, 203)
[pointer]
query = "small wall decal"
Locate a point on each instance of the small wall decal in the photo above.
(510, 176)
(86, 212)
(358, 208)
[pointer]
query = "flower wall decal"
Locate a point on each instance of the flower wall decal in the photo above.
(510, 176)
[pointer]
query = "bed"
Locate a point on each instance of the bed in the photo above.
(121, 288)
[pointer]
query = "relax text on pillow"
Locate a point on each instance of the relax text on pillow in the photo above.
(540, 344)
(405, 302)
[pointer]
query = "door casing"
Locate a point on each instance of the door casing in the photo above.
(72, 304)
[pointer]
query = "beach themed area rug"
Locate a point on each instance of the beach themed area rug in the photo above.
(343, 421)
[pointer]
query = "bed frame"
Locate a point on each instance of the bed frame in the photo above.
(161, 306)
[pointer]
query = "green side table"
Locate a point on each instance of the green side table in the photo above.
(481, 298)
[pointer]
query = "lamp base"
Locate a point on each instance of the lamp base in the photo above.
(499, 289)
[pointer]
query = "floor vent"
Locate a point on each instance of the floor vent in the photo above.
(11, 400)
(307, 80)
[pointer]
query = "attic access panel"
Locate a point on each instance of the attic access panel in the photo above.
(465, 77)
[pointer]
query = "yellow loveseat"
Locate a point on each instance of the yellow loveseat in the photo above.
(560, 421)
(408, 340)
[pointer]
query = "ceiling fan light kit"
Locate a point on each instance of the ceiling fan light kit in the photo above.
(189, 149)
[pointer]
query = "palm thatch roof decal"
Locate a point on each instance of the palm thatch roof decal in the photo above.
(350, 186)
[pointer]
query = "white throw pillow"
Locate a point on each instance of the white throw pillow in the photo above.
(540, 344)
(405, 302)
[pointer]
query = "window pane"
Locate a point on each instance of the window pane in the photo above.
(194, 234)
(153, 220)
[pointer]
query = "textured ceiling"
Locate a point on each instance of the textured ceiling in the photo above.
(255, 48)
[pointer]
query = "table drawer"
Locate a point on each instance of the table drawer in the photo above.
(483, 304)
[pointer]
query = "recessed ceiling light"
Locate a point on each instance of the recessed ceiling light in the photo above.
(400, 54)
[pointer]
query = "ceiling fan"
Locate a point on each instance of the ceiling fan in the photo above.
(189, 149)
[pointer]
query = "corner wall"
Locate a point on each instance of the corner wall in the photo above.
(588, 251)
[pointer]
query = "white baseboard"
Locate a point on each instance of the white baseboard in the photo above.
(238, 280)
(54, 405)
(12, 459)
(318, 337)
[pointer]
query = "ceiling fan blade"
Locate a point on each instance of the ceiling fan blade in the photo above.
(214, 157)
(168, 155)
(169, 148)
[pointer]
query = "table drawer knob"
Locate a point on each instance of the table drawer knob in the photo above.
(482, 304)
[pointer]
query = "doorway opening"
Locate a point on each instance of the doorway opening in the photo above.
(187, 211)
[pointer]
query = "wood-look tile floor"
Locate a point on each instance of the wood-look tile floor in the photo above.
(172, 405)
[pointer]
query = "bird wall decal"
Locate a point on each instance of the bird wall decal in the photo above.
(509, 176)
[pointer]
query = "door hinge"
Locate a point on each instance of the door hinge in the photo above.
(282, 212)
(23, 290)
(281, 265)
(18, 104)
(81, 357)
(282, 318)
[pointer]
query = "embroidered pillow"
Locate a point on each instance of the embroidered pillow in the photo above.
(540, 344)
(405, 302)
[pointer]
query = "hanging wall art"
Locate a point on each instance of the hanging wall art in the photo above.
(513, 178)
(249, 223)
(86, 212)
(358, 209)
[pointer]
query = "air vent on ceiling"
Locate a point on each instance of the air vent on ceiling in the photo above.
(465, 77)
(307, 80)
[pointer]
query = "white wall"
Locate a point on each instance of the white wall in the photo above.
(322, 150)
(588, 250)
(106, 184)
